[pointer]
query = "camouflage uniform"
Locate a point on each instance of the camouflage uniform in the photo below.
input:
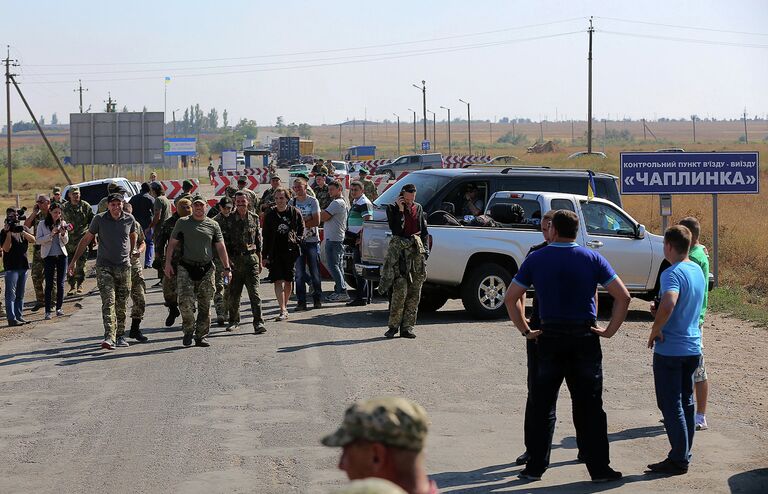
(115, 288)
(138, 287)
(404, 271)
(369, 189)
(243, 242)
(170, 295)
(253, 201)
(221, 296)
(181, 196)
(192, 292)
(267, 200)
(80, 218)
(322, 195)
(37, 268)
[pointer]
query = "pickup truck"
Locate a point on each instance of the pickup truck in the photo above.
(477, 264)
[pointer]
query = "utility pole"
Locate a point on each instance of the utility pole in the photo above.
(469, 126)
(80, 89)
(340, 155)
(449, 128)
(414, 129)
(490, 131)
(8, 63)
(693, 120)
(423, 89)
(111, 104)
(643, 129)
(365, 117)
(589, 89)
(746, 137)
(541, 131)
(398, 133)
(434, 132)
(572, 134)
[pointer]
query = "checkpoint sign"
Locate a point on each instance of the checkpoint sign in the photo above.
(690, 173)
(425, 145)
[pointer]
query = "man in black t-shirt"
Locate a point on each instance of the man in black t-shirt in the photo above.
(15, 264)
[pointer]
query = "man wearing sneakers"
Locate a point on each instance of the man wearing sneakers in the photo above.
(117, 243)
(566, 276)
(309, 258)
(195, 276)
(676, 342)
(334, 218)
(698, 254)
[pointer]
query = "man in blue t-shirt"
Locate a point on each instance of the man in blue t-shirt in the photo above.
(566, 276)
(676, 340)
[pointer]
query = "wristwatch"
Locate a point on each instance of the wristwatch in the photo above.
(527, 332)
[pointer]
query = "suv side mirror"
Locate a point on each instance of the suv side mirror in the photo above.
(640, 231)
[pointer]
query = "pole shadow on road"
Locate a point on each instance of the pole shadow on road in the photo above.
(290, 349)
(504, 478)
(378, 319)
(569, 442)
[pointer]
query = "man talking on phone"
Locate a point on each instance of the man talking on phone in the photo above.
(404, 269)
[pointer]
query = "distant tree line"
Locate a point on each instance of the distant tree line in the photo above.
(292, 129)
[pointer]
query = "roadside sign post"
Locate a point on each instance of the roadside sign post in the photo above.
(425, 145)
(665, 210)
(665, 174)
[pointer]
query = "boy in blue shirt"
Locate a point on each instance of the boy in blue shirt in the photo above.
(676, 340)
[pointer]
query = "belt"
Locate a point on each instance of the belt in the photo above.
(194, 264)
(574, 323)
(246, 253)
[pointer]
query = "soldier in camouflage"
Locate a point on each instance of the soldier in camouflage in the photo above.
(220, 298)
(170, 295)
(404, 269)
(117, 243)
(186, 191)
(112, 188)
(138, 287)
(369, 188)
(253, 201)
(195, 273)
(384, 438)
(42, 205)
(321, 191)
(79, 214)
(267, 197)
(243, 241)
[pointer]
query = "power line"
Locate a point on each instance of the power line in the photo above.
(685, 40)
(332, 50)
(682, 27)
(374, 59)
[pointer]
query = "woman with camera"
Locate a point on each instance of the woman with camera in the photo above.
(15, 238)
(52, 236)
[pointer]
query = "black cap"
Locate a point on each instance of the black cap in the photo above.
(187, 184)
(225, 202)
(114, 197)
(408, 188)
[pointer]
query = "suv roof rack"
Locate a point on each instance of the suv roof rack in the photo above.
(524, 167)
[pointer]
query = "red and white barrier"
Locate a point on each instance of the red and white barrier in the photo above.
(456, 161)
(173, 188)
(220, 183)
(246, 171)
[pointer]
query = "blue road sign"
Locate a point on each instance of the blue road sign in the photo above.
(181, 146)
(425, 145)
(690, 173)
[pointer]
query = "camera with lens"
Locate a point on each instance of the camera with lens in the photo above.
(15, 224)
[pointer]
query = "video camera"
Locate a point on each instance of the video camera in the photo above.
(15, 225)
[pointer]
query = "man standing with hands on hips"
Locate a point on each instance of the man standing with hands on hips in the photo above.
(195, 276)
(566, 276)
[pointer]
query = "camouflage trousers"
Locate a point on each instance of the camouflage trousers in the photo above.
(79, 277)
(38, 278)
(406, 294)
(138, 291)
(170, 295)
(193, 293)
(221, 295)
(115, 287)
(245, 273)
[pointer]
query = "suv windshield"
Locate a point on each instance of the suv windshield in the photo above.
(426, 186)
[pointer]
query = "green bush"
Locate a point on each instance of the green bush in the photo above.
(514, 139)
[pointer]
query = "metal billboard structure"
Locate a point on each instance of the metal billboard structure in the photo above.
(127, 138)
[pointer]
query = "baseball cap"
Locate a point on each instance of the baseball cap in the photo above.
(187, 184)
(56, 190)
(390, 420)
(199, 198)
(225, 202)
(114, 196)
(241, 179)
(371, 485)
(273, 176)
(74, 190)
(363, 170)
(156, 186)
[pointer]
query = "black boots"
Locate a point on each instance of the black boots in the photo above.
(173, 313)
(135, 331)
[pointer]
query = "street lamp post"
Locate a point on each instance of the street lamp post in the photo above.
(423, 90)
(398, 133)
(449, 128)
(414, 129)
(174, 121)
(469, 126)
(434, 131)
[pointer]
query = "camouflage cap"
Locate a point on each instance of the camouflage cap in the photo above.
(389, 420)
(273, 176)
(74, 190)
(187, 184)
(56, 190)
(230, 191)
(113, 186)
(371, 486)
(199, 198)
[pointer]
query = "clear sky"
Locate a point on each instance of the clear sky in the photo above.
(323, 62)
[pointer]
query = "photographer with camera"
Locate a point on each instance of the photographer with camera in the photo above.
(15, 239)
(52, 236)
(39, 212)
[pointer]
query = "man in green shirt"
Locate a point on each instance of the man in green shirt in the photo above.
(196, 273)
(698, 254)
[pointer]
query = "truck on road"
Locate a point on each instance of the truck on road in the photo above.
(476, 264)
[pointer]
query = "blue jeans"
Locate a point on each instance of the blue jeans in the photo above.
(149, 253)
(15, 284)
(334, 256)
(673, 378)
(309, 255)
(54, 265)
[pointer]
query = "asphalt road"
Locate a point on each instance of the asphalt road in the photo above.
(246, 414)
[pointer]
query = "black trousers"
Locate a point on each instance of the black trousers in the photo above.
(573, 355)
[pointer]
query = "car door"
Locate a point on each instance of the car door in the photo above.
(609, 231)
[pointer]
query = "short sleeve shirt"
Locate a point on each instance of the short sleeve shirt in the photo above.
(699, 255)
(565, 277)
(337, 224)
(114, 239)
(198, 237)
(16, 258)
(163, 205)
(682, 335)
(308, 207)
(361, 208)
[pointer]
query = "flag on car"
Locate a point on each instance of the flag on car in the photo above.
(591, 185)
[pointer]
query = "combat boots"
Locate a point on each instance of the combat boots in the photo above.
(173, 313)
(407, 333)
(135, 331)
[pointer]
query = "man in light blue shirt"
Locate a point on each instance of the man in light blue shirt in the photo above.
(676, 340)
